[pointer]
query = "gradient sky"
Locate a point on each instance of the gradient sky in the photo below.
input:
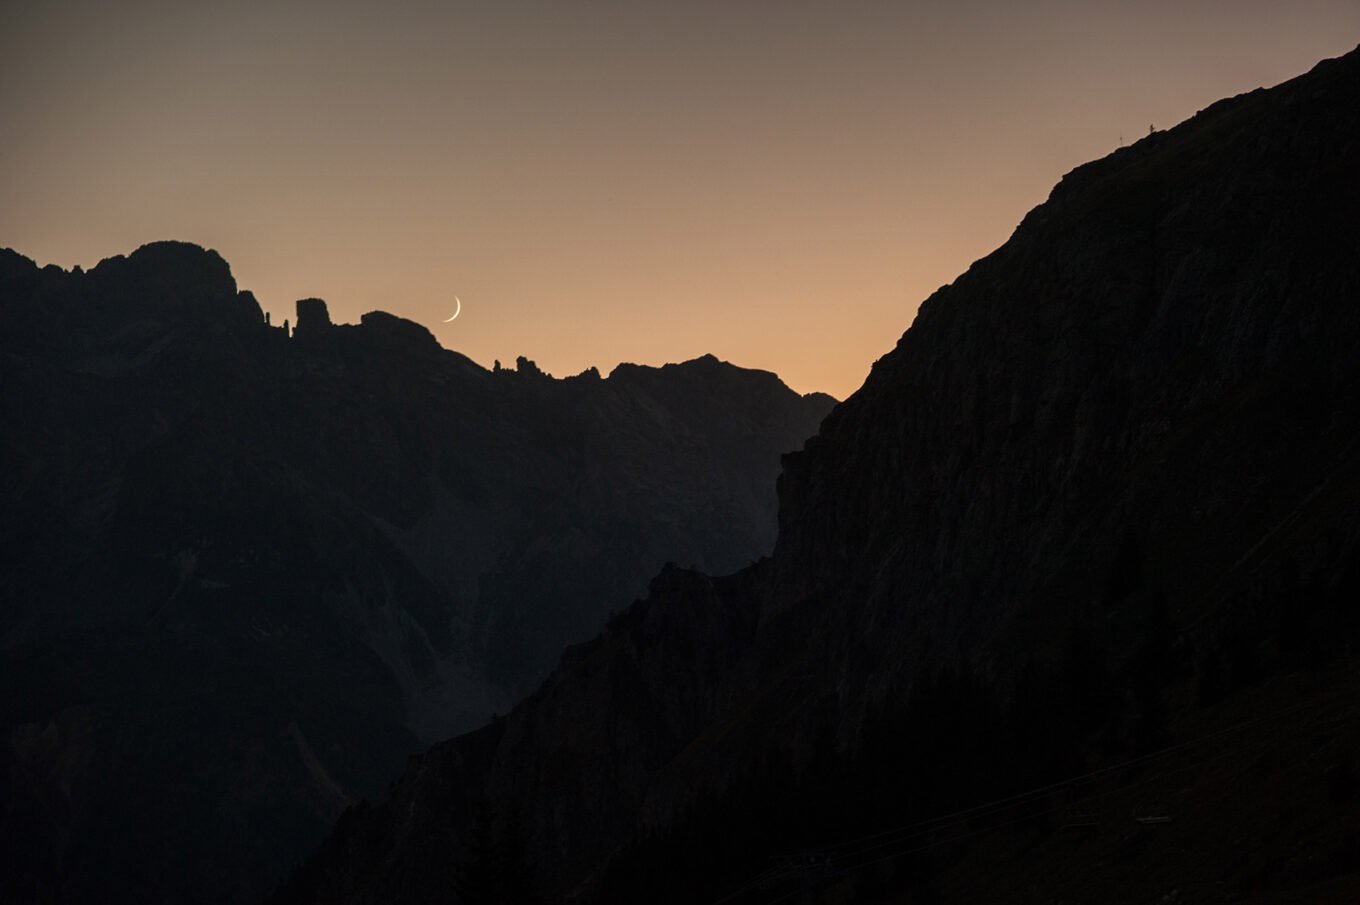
(778, 183)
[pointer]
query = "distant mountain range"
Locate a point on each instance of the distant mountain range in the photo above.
(246, 573)
(1063, 606)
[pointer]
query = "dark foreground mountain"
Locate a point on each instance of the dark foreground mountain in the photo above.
(246, 574)
(1063, 606)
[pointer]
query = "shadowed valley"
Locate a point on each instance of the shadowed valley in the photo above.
(1062, 606)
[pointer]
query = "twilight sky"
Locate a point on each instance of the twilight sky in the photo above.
(778, 183)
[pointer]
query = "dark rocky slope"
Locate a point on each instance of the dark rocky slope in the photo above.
(1102, 500)
(246, 574)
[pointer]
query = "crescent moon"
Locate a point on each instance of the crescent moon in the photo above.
(457, 311)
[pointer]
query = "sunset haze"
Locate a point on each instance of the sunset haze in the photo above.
(779, 184)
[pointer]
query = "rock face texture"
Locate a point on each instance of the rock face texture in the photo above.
(1101, 499)
(244, 574)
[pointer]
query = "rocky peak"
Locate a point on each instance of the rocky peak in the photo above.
(15, 267)
(397, 333)
(526, 367)
(166, 273)
(312, 318)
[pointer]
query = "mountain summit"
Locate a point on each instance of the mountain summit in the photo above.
(1062, 606)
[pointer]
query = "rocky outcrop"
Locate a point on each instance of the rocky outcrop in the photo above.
(313, 317)
(1110, 466)
(247, 574)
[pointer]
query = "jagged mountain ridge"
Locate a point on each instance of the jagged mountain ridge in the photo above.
(1115, 461)
(255, 571)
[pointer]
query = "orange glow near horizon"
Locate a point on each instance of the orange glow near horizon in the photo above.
(778, 183)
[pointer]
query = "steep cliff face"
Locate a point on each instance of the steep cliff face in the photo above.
(246, 574)
(1108, 477)
(1118, 403)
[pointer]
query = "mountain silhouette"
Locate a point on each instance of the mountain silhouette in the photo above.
(248, 570)
(1062, 606)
